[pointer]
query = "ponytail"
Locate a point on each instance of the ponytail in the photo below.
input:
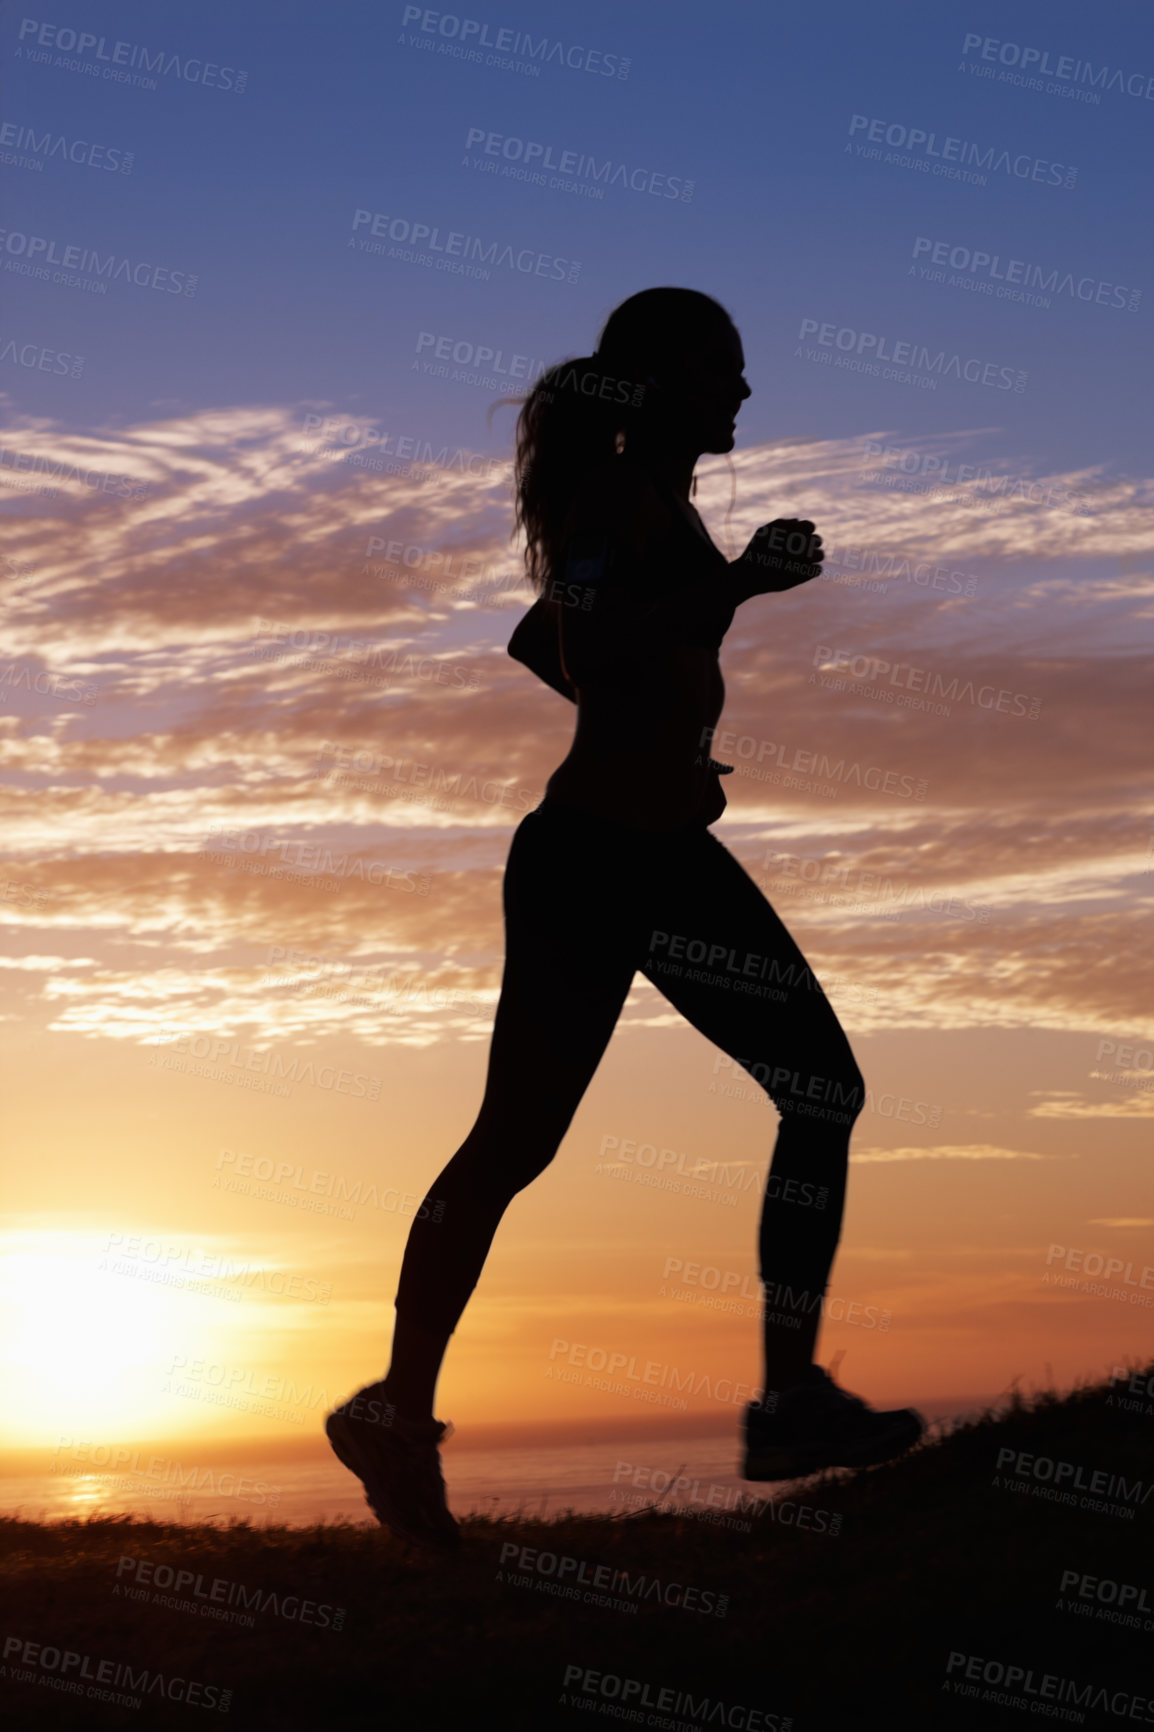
(568, 425)
(571, 420)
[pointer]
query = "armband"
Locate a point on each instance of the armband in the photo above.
(588, 559)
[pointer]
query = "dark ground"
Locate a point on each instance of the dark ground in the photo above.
(942, 1554)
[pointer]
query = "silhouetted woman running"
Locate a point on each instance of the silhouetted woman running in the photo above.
(634, 600)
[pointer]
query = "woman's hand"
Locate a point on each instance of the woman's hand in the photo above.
(781, 555)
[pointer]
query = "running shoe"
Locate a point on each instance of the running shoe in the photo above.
(397, 1461)
(815, 1425)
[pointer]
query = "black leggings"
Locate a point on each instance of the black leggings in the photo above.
(587, 903)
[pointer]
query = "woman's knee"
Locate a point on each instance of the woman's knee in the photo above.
(844, 1086)
(835, 1093)
(492, 1168)
(848, 1090)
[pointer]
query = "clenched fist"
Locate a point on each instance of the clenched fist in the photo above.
(780, 556)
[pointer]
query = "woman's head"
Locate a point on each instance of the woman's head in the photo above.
(693, 361)
(666, 378)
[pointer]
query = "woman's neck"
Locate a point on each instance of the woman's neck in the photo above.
(674, 468)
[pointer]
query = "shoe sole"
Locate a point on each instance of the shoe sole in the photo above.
(345, 1444)
(783, 1462)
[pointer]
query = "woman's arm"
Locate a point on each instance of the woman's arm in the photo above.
(534, 643)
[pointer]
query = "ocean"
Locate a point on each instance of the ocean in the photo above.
(697, 1470)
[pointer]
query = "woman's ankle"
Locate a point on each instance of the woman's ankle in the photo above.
(410, 1383)
(789, 1375)
(407, 1403)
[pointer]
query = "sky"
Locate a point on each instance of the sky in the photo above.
(264, 750)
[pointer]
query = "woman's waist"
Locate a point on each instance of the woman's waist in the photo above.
(640, 734)
(604, 808)
(683, 763)
(640, 796)
(646, 686)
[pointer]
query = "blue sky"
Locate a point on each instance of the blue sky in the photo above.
(255, 194)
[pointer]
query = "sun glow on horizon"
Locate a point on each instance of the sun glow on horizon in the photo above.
(87, 1347)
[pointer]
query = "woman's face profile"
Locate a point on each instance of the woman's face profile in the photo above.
(708, 389)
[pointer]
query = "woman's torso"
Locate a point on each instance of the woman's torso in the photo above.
(640, 755)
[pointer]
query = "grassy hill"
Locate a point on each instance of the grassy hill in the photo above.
(970, 1556)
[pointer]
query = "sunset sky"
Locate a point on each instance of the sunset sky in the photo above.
(265, 750)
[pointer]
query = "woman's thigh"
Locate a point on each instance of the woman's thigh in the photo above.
(723, 958)
(571, 953)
